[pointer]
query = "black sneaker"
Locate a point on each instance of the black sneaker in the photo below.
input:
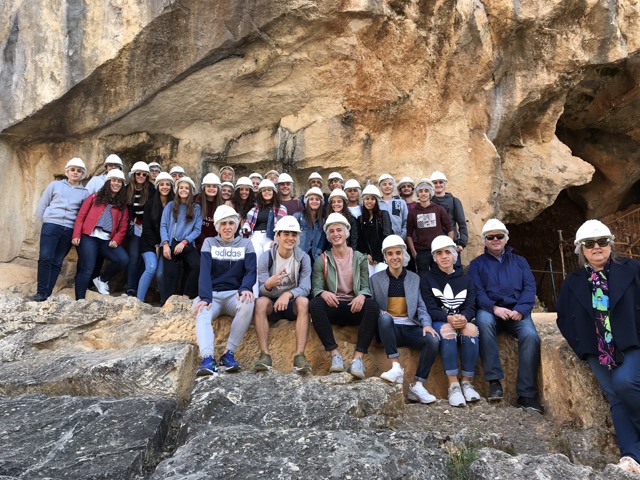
(495, 391)
(529, 403)
(38, 297)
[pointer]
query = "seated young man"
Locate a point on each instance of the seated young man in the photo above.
(284, 277)
(227, 275)
(342, 296)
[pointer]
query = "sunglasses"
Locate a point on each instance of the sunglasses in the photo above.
(602, 242)
(141, 174)
(500, 236)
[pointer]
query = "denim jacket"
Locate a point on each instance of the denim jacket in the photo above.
(312, 238)
(274, 216)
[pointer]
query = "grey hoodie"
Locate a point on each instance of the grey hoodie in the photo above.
(302, 263)
(60, 203)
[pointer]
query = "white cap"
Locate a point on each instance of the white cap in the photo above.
(140, 167)
(285, 178)
(227, 184)
(440, 242)
(211, 179)
(591, 229)
(404, 180)
(333, 175)
(352, 183)
(385, 176)
(244, 182)
(437, 175)
(176, 169)
(393, 241)
(115, 174)
(155, 164)
(255, 175)
(224, 212)
(494, 225)
(314, 191)
(372, 190)
(185, 180)
(164, 176)
(425, 183)
(266, 183)
(227, 167)
(315, 176)
(114, 159)
(78, 163)
(337, 192)
(336, 218)
(287, 224)
(272, 171)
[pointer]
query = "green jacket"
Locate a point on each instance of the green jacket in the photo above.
(360, 274)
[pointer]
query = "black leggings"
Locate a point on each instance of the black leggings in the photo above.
(190, 259)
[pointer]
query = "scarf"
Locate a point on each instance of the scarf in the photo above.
(608, 354)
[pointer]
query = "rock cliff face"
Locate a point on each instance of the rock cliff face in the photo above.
(515, 101)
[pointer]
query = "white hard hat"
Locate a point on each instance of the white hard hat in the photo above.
(224, 212)
(75, 162)
(316, 176)
(227, 184)
(385, 176)
(333, 175)
(338, 192)
(185, 180)
(244, 182)
(437, 175)
(393, 241)
(164, 176)
(440, 242)
(211, 179)
(352, 183)
(140, 167)
(336, 218)
(372, 190)
(114, 160)
(266, 183)
(255, 175)
(285, 178)
(425, 183)
(591, 229)
(314, 191)
(115, 174)
(176, 169)
(155, 164)
(277, 173)
(287, 224)
(404, 180)
(227, 167)
(494, 225)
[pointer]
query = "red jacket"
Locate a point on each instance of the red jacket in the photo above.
(90, 213)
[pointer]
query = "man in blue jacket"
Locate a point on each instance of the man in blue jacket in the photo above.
(505, 298)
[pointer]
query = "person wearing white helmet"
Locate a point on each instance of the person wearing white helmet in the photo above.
(57, 210)
(97, 181)
(150, 240)
(209, 200)
(180, 226)
(255, 178)
(227, 174)
(243, 199)
(154, 171)
(100, 228)
(405, 191)
(227, 276)
(396, 207)
(226, 191)
(139, 190)
(338, 204)
(335, 180)
(404, 320)
(284, 276)
(341, 296)
(506, 295)
(272, 175)
(177, 172)
(286, 194)
(450, 296)
(454, 209)
(353, 190)
(315, 180)
(311, 221)
(599, 318)
(425, 221)
(374, 226)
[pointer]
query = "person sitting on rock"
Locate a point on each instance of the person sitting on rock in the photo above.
(506, 294)
(284, 276)
(342, 296)
(450, 297)
(404, 320)
(227, 276)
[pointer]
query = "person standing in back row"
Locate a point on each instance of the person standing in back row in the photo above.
(454, 209)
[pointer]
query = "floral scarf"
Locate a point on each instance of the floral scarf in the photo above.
(608, 355)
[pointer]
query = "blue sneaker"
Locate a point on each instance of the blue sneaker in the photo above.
(229, 362)
(207, 367)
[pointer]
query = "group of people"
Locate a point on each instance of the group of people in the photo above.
(374, 257)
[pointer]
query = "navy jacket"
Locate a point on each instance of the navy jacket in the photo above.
(575, 310)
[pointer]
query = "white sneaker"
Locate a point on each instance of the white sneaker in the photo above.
(395, 375)
(456, 399)
(417, 393)
(103, 287)
(470, 394)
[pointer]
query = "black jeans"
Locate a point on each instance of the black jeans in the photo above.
(424, 260)
(190, 259)
(323, 316)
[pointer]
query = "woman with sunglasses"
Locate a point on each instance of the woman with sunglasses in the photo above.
(138, 192)
(598, 315)
(209, 200)
(311, 222)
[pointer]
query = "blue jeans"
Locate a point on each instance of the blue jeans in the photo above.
(394, 336)
(55, 243)
(153, 266)
(621, 385)
(469, 348)
(134, 269)
(528, 350)
(88, 252)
